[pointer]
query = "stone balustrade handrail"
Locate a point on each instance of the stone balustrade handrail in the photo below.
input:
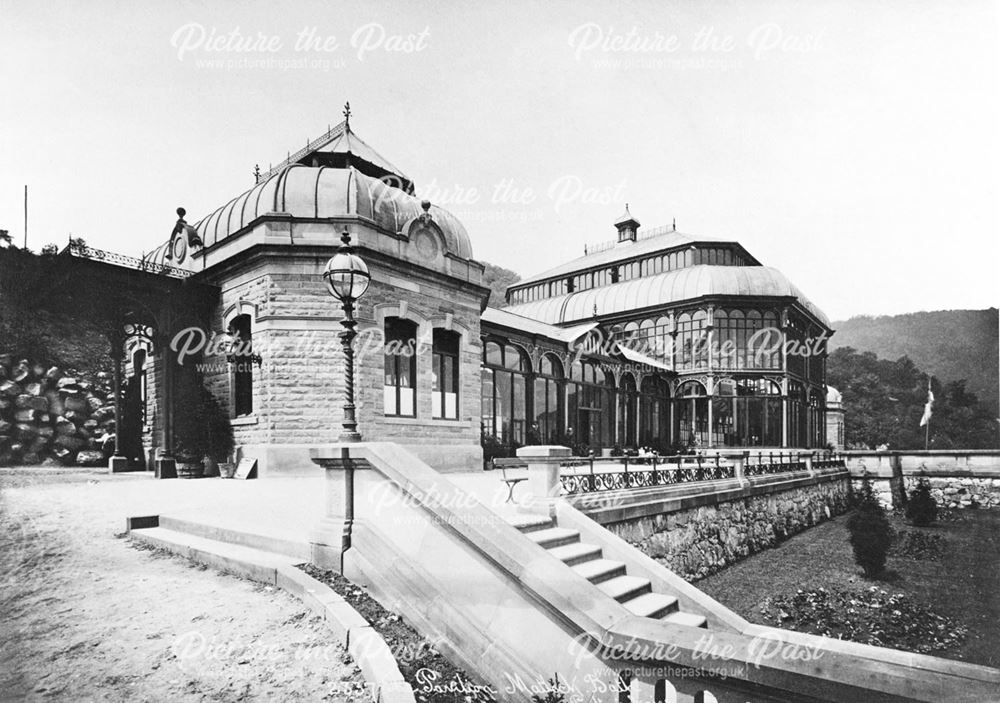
(846, 671)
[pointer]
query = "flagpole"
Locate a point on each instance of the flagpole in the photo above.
(927, 428)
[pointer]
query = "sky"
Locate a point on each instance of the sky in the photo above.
(853, 145)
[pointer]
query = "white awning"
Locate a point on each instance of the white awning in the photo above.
(640, 358)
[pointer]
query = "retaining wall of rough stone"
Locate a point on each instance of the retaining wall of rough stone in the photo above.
(959, 479)
(698, 529)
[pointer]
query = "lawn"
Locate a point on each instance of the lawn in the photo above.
(953, 567)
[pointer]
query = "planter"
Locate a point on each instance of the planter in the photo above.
(211, 467)
(190, 469)
(227, 470)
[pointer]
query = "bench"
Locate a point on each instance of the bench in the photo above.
(511, 482)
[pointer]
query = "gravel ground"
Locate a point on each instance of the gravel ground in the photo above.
(88, 617)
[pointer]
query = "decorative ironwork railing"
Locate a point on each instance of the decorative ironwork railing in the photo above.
(652, 472)
(310, 146)
(762, 464)
(829, 460)
(594, 474)
(131, 262)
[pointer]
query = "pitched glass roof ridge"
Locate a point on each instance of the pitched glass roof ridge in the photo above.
(623, 251)
(667, 288)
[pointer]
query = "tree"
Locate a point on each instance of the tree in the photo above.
(884, 400)
(498, 279)
(921, 509)
(5, 237)
(870, 532)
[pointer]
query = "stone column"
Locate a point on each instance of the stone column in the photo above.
(117, 462)
(739, 460)
(543, 477)
(807, 457)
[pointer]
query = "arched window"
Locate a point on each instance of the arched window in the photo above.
(590, 404)
(444, 398)
(504, 393)
(817, 420)
(548, 423)
(631, 333)
(646, 337)
(241, 364)
(627, 411)
(691, 414)
(399, 391)
(653, 395)
(747, 412)
(723, 345)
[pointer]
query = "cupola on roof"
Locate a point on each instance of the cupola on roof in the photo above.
(340, 147)
(337, 175)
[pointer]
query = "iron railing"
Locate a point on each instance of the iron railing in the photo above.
(131, 262)
(642, 472)
(311, 146)
(595, 474)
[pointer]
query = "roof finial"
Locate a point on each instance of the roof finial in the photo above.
(347, 115)
(675, 224)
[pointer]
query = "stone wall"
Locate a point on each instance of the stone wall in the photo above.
(959, 491)
(699, 535)
(958, 478)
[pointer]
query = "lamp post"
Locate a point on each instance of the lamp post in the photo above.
(347, 278)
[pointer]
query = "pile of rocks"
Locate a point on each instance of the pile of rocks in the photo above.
(49, 417)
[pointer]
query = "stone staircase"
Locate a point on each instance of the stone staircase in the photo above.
(609, 576)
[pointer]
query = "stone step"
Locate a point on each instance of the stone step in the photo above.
(576, 553)
(598, 570)
(689, 619)
(531, 523)
(254, 564)
(652, 605)
(286, 544)
(554, 537)
(624, 588)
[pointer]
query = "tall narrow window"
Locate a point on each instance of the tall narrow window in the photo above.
(241, 360)
(444, 399)
(399, 391)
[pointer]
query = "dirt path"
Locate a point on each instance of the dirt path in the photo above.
(85, 616)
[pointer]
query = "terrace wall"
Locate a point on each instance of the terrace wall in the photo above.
(698, 529)
(959, 479)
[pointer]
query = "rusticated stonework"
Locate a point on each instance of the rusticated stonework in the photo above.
(699, 541)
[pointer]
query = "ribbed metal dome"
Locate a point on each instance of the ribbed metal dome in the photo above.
(665, 289)
(318, 192)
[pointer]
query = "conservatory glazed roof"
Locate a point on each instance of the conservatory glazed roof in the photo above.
(505, 318)
(623, 251)
(666, 289)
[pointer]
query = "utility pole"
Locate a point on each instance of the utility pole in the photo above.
(26, 216)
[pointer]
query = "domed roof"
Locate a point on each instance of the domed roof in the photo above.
(665, 289)
(833, 396)
(319, 192)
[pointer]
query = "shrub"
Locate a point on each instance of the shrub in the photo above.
(870, 532)
(921, 510)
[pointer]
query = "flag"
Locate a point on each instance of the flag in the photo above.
(928, 406)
